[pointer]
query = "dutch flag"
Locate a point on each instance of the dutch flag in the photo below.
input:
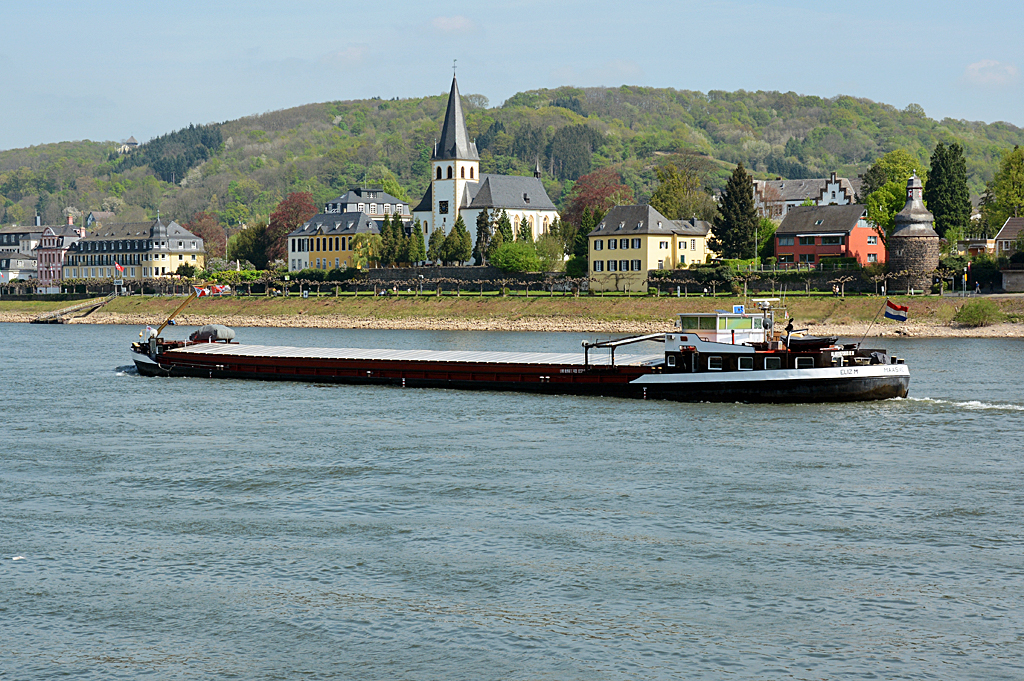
(894, 311)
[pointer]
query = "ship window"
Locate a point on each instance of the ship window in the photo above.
(804, 362)
(671, 360)
(746, 363)
(714, 363)
(772, 363)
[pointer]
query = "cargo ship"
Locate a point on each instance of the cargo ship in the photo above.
(712, 357)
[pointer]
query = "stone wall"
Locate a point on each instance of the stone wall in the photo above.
(917, 254)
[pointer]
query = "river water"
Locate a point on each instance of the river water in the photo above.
(188, 528)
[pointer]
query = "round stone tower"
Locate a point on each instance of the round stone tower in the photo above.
(914, 245)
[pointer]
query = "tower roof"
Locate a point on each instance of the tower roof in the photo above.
(914, 219)
(454, 142)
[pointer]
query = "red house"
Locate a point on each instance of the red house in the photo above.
(810, 233)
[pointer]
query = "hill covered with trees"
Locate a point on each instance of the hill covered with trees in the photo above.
(238, 171)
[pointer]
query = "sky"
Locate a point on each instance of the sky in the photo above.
(110, 70)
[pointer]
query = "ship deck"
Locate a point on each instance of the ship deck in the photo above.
(441, 356)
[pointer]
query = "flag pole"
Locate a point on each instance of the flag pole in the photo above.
(872, 322)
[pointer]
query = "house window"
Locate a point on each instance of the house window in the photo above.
(807, 241)
(682, 260)
(636, 243)
(872, 257)
(682, 245)
(872, 241)
(804, 362)
(661, 264)
(598, 244)
(598, 265)
(714, 363)
(786, 258)
(623, 243)
(746, 363)
(831, 241)
(807, 257)
(693, 244)
(785, 241)
(662, 245)
(387, 208)
(833, 195)
(818, 222)
(772, 363)
(623, 265)
(612, 244)
(635, 265)
(613, 265)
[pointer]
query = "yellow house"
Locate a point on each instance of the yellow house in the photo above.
(142, 250)
(325, 241)
(632, 240)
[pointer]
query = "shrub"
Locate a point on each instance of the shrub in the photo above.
(979, 313)
(576, 266)
(518, 256)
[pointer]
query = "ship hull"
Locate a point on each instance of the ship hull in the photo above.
(849, 384)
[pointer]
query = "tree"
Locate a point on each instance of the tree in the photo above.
(366, 248)
(458, 245)
(291, 213)
(483, 236)
(435, 251)
(1007, 189)
(947, 195)
(883, 205)
(206, 227)
(390, 241)
(525, 230)
(516, 256)
(735, 226)
(600, 190)
(549, 252)
(253, 244)
(680, 195)
(504, 225)
(417, 250)
(896, 166)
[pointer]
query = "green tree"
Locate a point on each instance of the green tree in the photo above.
(391, 241)
(435, 250)
(516, 256)
(736, 225)
(366, 249)
(680, 195)
(1007, 189)
(896, 166)
(497, 239)
(883, 205)
(458, 245)
(483, 236)
(417, 249)
(252, 244)
(947, 195)
(525, 231)
(549, 252)
(504, 225)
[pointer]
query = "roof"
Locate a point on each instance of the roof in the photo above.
(426, 204)
(915, 219)
(1011, 229)
(63, 230)
(510, 191)
(131, 140)
(819, 219)
(140, 230)
(800, 190)
(101, 214)
(27, 229)
(454, 142)
(342, 224)
(355, 195)
(630, 220)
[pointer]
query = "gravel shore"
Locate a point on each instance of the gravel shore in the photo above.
(884, 329)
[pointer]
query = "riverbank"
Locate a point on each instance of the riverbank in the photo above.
(824, 315)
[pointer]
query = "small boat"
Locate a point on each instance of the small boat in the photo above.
(700, 361)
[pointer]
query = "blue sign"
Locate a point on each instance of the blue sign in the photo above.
(738, 309)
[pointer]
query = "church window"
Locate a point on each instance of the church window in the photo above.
(471, 172)
(462, 172)
(439, 172)
(449, 172)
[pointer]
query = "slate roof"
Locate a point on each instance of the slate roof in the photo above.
(454, 142)
(834, 219)
(1011, 229)
(800, 190)
(915, 219)
(510, 191)
(355, 195)
(155, 229)
(339, 224)
(630, 220)
(426, 204)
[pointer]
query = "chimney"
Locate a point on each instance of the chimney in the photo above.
(71, 221)
(38, 220)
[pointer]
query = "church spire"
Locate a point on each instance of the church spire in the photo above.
(454, 142)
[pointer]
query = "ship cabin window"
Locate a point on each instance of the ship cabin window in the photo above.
(772, 363)
(671, 360)
(804, 362)
(746, 363)
(714, 363)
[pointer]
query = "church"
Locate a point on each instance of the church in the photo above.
(458, 188)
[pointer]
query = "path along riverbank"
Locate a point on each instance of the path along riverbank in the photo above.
(847, 318)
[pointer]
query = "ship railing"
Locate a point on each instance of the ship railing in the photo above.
(618, 342)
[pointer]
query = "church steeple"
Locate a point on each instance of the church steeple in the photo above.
(454, 142)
